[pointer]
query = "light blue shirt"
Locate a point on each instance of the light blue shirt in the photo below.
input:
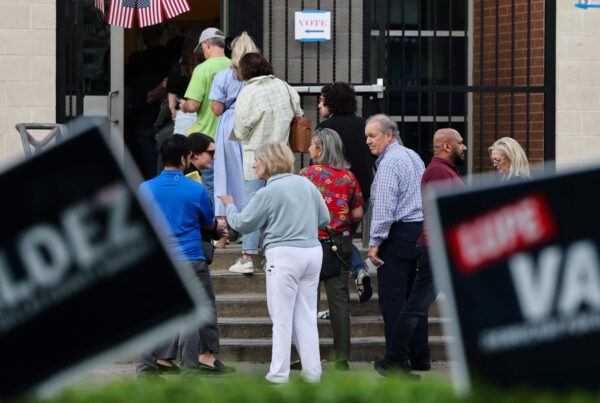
(289, 211)
(396, 190)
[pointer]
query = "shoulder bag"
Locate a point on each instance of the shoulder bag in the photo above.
(300, 130)
(332, 261)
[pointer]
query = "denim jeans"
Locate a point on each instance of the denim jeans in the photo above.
(250, 241)
(208, 180)
(422, 295)
(357, 262)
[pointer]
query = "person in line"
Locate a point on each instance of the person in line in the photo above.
(229, 171)
(397, 220)
(264, 111)
(185, 205)
(338, 106)
(212, 45)
(448, 154)
(343, 197)
(289, 210)
(509, 159)
(179, 79)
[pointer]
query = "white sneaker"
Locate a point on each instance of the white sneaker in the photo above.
(242, 266)
(323, 314)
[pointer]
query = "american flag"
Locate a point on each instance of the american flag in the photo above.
(121, 14)
(99, 4)
(153, 14)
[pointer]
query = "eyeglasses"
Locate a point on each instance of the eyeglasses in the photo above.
(497, 162)
(210, 152)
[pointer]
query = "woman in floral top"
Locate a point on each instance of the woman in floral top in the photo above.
(343, 198)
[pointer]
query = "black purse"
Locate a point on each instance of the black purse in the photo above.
(332, 262)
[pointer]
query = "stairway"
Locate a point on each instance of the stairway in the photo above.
(245, 326)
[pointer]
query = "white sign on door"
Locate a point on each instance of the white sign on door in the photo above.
(313, 25)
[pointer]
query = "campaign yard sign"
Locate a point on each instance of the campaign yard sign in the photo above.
(520, 265)
(83, 274)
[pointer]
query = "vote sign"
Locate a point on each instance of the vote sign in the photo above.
(83, 274)
(312, 25)
(520, 265)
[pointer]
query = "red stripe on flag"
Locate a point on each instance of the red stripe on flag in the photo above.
(120, 16)
(150, 15)
(175, 7)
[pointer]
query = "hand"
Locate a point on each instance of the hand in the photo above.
(372, 255)
(222, 230)
(182, 105)
(226, 199)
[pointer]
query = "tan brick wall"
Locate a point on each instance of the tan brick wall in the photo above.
(484, 134)
(27, 69)
(577, 86)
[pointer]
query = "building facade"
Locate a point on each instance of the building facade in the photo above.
(489, 68)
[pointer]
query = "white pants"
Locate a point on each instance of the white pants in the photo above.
(292, 281)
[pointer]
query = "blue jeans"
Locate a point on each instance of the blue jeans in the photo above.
(357, 262)
(422, 295)
(250, 241)
(208, 180)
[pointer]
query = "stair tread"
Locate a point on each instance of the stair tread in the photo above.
(354, 319)
(325, 340)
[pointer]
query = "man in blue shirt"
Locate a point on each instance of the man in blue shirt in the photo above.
(395, 227)
(184, 206)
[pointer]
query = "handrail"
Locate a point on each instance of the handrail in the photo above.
(57, 132)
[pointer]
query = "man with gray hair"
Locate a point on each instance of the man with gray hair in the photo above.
(395, 226)
(212, 45)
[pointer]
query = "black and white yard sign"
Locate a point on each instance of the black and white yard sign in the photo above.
(83, 274)
(520, 265)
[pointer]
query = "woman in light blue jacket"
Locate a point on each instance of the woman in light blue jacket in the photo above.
(289, 210)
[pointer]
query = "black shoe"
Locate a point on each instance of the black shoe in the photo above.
(168, 370)
(342, 365)
(225, 369)
(363, 286)
(387, 369)
(297, 365)
(420, 365)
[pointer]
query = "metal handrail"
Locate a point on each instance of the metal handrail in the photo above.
(57, 132)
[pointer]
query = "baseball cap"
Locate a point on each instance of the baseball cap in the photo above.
(207, 34)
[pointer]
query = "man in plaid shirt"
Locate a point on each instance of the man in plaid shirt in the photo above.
(395, 227)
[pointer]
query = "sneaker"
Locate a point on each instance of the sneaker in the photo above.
(323, 315)
(420, 365)
(242, 266)
(363, 286)
(387, 369)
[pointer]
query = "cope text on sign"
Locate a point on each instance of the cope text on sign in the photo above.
(80, 266)
(520, 264)
(312, 25)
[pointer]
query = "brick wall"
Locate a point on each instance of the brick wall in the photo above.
(27, 69)
(577, 86)
(484, 134)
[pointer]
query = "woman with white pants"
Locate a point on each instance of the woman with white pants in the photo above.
(288, 210)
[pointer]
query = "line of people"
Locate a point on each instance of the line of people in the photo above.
(292, 214)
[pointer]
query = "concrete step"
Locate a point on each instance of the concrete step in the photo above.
(255, 305)
(363, 349)
(227, 256)
(363, 326)
(225, 282)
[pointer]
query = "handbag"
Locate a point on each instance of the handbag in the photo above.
(300, 130)
(332, 261)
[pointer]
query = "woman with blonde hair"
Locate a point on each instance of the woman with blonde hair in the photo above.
(509, 159)
(289, 210)
(228, 168)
